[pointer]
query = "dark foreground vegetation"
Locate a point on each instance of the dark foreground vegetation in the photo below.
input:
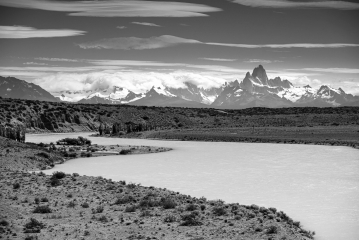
(63, 206)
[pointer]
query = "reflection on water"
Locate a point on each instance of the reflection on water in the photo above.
(316, 185)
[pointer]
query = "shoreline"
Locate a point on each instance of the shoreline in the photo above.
(89, 207)
(217, 135)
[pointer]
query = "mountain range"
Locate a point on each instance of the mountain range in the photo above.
(255, 90)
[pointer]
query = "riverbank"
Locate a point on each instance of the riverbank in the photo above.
(325, 135)
(83, 207)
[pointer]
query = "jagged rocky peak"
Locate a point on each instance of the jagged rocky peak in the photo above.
(260, 73)
(278, 82)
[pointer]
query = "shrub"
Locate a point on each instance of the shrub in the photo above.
(54, 182)
(191, 207)
(103, 219)
(98, 209)
(34, 226)
(44, 199)
(44, 155)
(125, 151)
(37, 200)
(168, 203)
(130, 208)
(146, 203)
(85, 205)
(58, 175)
(219, 211)
(203, 207)
(170, 218)
(145, 213)
(272, 229)
(4, 223)
(16, 186)
(71, 204)
(124, 200)
(191, 219)
(42, 209)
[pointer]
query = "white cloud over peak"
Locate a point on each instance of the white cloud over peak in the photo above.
(113, 8)
(127, 43)
(146, 24)
(219, 59)
(331, 4)
(29, 32)
(134, 81)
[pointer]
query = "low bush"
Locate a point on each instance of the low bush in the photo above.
(125, 151)
(98, 209)
(58, 175)
(130, 208)
(124, 200)
(16, 186)
(103, 219)
(85, 205)
(170, 219)
(219, 211)
(4, 223)
(55, 182)
(272, 229)
(191, 207)
(168, 203)
(42, 209)
(33, 226)
(191, 219)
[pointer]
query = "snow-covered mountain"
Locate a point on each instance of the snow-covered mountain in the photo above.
(113, 95)
(256, 90)
(161, 96)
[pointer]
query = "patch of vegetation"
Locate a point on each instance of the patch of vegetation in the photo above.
(42, 209)
(191, 219)
(33, 226)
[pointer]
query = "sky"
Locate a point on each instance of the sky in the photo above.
(67, 45)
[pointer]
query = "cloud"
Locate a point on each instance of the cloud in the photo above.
(331, 4)
(134, 81)
(35, 63)
(261, 61)
(332, 70)
(121, 27)
(290, 45)
(219, 59)
(113, 8)
(127, 43)
(146, 24)
(57, 59)
(305, 80)
(29, 32)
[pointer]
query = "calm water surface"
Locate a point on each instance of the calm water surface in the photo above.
(316, 185)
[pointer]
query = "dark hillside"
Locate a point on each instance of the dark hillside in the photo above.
(37, 116)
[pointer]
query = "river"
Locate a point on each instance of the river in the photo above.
(316, 185)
